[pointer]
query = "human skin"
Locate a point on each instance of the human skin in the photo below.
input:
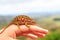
(13, 31)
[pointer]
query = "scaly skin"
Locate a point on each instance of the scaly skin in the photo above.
(21, 20)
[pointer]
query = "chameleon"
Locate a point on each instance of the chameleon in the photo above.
(21, 20)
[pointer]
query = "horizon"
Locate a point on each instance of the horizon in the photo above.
(32, 13)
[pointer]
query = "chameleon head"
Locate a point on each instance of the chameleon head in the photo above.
(23, 20)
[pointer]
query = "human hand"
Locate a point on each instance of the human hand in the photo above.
(32, 31)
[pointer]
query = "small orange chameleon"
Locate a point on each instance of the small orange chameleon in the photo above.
(21, 20)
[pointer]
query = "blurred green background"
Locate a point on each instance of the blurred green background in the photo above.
(46, 13)
(52, 23)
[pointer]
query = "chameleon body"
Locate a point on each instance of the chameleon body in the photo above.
(21, 20)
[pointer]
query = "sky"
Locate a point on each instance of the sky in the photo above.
(8, 7)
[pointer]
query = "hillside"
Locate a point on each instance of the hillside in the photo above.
(45, 20)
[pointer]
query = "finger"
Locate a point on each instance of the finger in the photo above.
(23, 28)
(31, 36)
(39, 34)
(38, 29)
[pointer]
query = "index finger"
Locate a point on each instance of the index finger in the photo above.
(38, 29)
